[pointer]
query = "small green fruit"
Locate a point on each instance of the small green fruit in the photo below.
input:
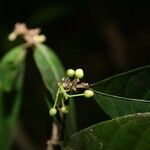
(70, 72)
(53, 111)
(64, 109)
(88, 93)
(79, 73)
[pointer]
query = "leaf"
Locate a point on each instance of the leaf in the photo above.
(7, 130)
(10, 66)
(4, 135)
(49, 66)
(14, 114)
(125, 93)
(130, 132)
(71, 120)
(1, 106)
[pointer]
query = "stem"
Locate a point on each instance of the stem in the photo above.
(56, 137)
(76, 95)
(56, 99)
(63, 104)
(63, 91)
(55, 141)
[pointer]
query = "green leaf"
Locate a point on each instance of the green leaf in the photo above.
(49, 66)
(71, 120)
(126, 93)
(10, 66)
(4, 135)
(7, 125)
(7, 128)
(14, 113)
(11, 70)
(130, 132)
(1, 106)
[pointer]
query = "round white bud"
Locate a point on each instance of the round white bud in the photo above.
(53, 111)
(88, 93)
(79, 73)
(70, 72)
(12, 36)
(64, 109)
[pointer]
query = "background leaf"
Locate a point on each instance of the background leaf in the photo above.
(71, 124)
(7, 124)
(1, 106)
(49, 66)
(129, 132)
(10, 67)
(11, 76)
(125, 93)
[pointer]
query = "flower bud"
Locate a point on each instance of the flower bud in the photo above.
(39, 38)
(88, 93)
(79, 73)
(53, 111)
(70, 72)
(12, 36)
(64, 109)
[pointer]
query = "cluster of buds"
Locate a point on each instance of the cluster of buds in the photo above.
(68, 88)
(31, 36)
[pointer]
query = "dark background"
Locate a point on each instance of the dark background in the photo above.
(103, 37)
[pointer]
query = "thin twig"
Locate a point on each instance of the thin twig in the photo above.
(56, 137)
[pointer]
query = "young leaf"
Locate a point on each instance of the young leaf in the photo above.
(10, 67)
(125, 93)
(49, 66)
(127, 133)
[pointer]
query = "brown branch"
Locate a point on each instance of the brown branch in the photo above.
(56, 137)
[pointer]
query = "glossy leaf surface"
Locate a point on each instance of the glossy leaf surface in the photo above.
(129, 132)
(126, 93)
